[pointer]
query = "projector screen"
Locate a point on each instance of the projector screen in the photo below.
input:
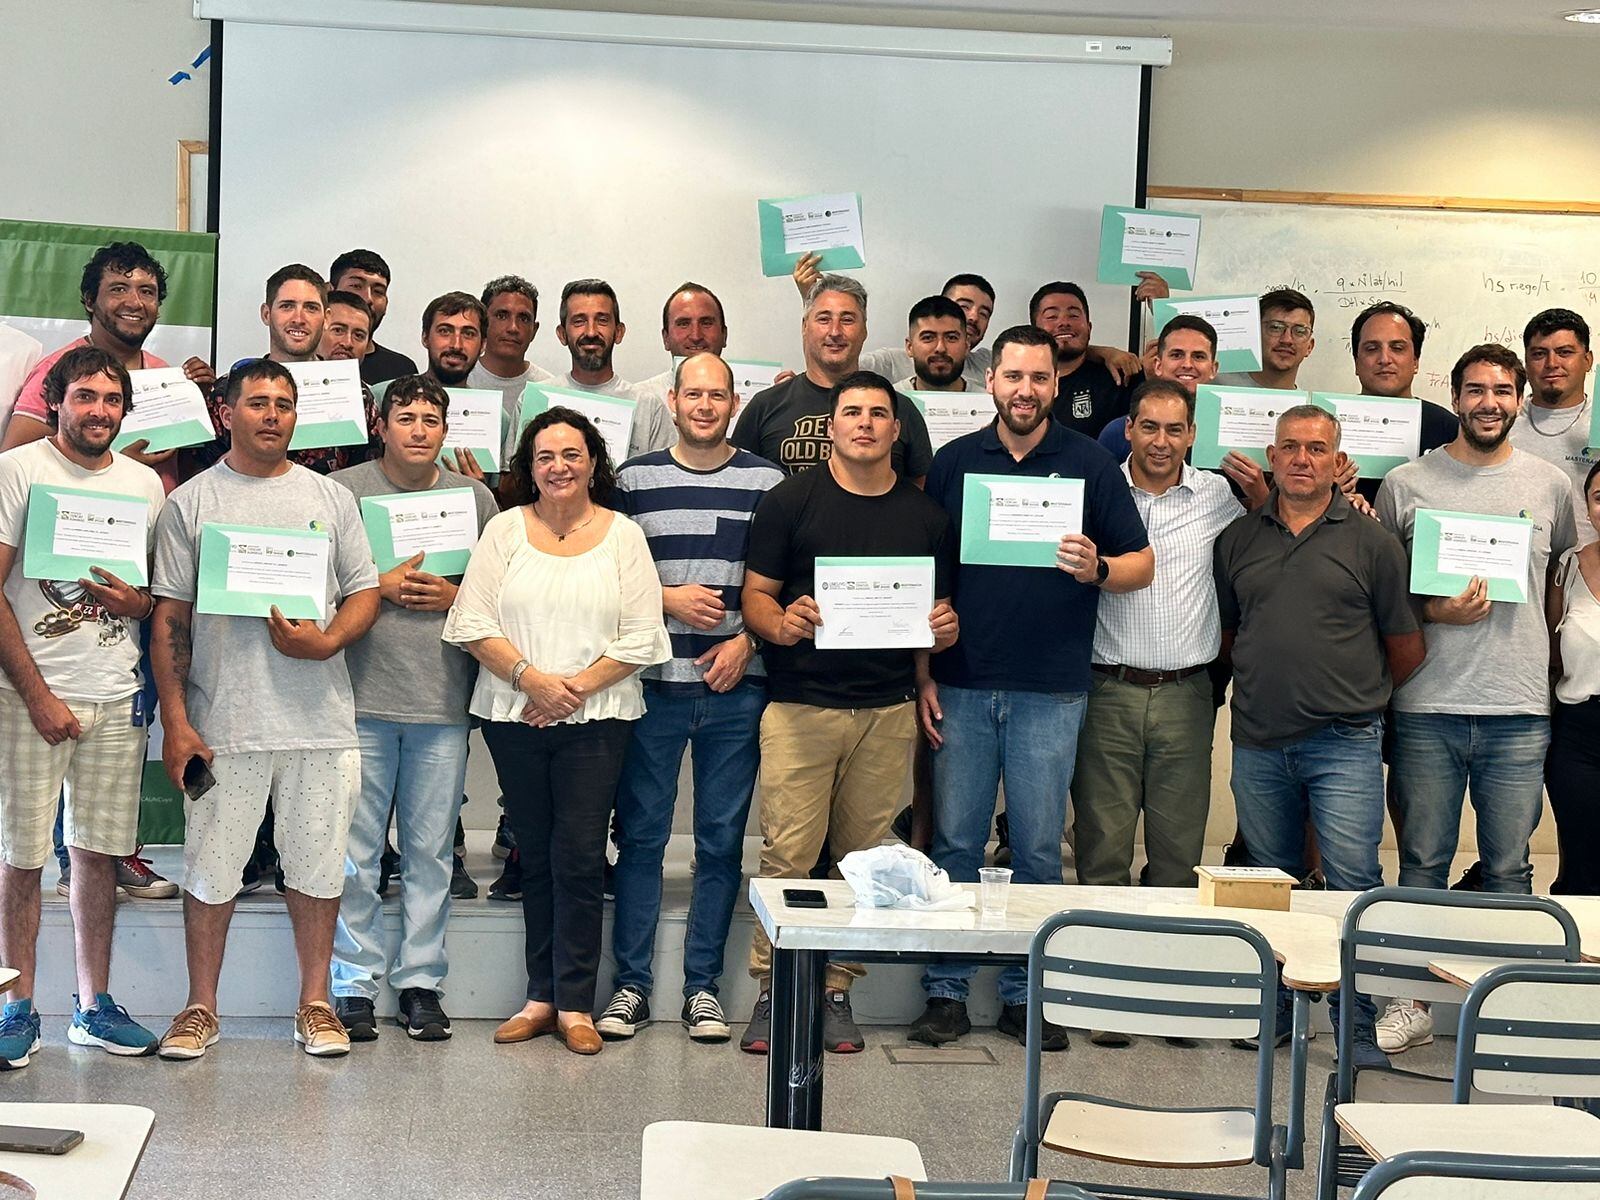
(460, 157)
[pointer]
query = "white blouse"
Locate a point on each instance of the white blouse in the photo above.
(561, 614)
(1580, 634)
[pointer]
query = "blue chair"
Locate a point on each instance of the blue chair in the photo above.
(1480, 1177)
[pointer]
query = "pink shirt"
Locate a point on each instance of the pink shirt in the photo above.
(30, 400)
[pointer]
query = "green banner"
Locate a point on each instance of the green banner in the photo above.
(43, 269)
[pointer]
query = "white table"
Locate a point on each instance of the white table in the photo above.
(8, 976)
(1384, 1130)
(1464, 972)
(100, 1168)
(693, 1160)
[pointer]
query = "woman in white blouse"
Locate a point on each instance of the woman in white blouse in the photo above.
(1572, 766)
(561, 606)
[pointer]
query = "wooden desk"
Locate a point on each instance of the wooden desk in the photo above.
(1384, 1130)
(1464, 972)
(693, 1160)
(1585, 912)
(100, 1168)
(8, 976)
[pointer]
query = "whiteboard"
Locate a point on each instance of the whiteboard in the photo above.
(466, 156)
(1473, 277)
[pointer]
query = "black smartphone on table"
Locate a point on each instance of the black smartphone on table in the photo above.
(29, 1139)
(805, 898)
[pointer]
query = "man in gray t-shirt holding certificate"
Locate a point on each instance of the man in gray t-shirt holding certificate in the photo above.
(262, 577)
(1481, 513)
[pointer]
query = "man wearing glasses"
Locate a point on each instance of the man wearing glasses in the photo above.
(1287, 324)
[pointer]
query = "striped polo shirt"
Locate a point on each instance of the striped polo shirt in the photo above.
(698, 526)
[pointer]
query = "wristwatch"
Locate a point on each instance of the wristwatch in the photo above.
(1101, 572)
(755, 642)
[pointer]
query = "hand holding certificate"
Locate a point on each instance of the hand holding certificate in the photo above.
(828, 224)
(442, 525)
(1242, 419)
(329, 409)
(1449, 550)
(168, 411)
(246, 571)
(1137, 239)
(1237, 320)
(874, 603)
(1018, 522)
(70, 532)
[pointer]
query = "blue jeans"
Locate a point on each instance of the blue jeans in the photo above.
(722, 732)
(420, 770)
(1436, 757)
(1334, 776)
(1031, 740)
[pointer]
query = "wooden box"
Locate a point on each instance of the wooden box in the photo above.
(1245, 887)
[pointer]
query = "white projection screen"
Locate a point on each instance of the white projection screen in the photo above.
(464, 156)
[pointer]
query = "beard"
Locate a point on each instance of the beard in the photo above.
(940, 369)
(1483, 444)
(591, 355)
(108, 322)
(449, 376)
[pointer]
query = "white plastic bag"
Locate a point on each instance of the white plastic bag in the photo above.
(897, 876)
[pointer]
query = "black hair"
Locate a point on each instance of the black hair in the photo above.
(1555, 320)
(1388, 308)
(1059, 287)
(120, 258)
(368, 261)
(453, 304)
(968, 279)
(80, 363)
(1022, 335)
(589, 287)
(351, 300)
(254, 369)
(414, 389)
(1190, 322)
(868, 380)
(930, 307)
(1160, 387)
(1496, 355)
(687, 285)
(1287, 299)
(518, 487)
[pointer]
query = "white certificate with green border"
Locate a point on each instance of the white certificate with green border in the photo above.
(1379, 433)
(475, 422)
(949, 415)
(1237, 418)
(1237, 320)
(1449, 549)
(1018, 521)
(330, 408)
(442, 524)
(828, 224)
(70, 530)
(168, 411)
(874, 603)
(611, 415)
(245, 570)
(1141, 239)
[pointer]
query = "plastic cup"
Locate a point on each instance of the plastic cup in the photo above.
(993, 884)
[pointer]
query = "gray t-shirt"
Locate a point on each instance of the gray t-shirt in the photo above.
(1499, 666)
(652, 423)
(510, 389)
(892, 362)
(401, 671)
(243, 694)
(1560, 436)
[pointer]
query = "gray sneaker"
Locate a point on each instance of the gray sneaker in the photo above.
(840, 1033)
(758, 1033)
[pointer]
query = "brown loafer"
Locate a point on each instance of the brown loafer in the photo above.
(580, 1039)
(521, 1028)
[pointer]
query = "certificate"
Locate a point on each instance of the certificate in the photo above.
(1234, 418)
(329, 408)
(70, 530)
(1237, 320)
(1377, 432)
(245, 570)
(168, 411)
(874, 603)
(1007, 520)
(475, 422)
(1138, 239)
(1449, 548)
(827, 224)
(611, 415)
(950, 415)
(750, 377)
(443, 524)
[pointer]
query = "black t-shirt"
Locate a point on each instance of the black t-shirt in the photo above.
(788, 424)
(1439, 428)
(808, 516)
(1089, 399)
(383, 364)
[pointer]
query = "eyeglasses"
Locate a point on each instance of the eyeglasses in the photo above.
(1278, 328)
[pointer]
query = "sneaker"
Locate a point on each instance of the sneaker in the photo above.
(317, 1028)
(1284, 1024)
(509, 886)
(19, 1034)
(250, 878)
(191, 1032)
(462, 885)
(1404, 1024)
(108, 1025)
(942, 1020)
(1013, 1022)
(629, 1009)
(64, 884)
(421, 1016)
(137, 879)
(840, 1033)
(608, 881)
(388, 868)
(1364, 1052)
(1002, 840)
(703, 1018)
(504, 840)
(758, 1033)
(1113, 1038)
(357, 1015)
(1471, 879)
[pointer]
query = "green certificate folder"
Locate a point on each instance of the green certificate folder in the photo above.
(441, 523)
(1141, 239)
(799, 225)
(475, 422)
(611, 415)
(330, 409)
(70, 530)
(1377, 432)
(1018, 520)
(1449, 548)
(1236, 418)
(1237, 320)
(246, 569)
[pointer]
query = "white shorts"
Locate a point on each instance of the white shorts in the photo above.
(312, 793)
(100, 772)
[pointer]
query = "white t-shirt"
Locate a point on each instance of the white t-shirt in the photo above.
(1560, 436)
(893, 362)
(19, 354)
(83, 652)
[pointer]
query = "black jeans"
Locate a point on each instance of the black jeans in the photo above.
(1572, 775)
(559, 784)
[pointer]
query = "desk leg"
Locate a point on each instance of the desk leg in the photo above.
(794, 1055)
(1299, 1048)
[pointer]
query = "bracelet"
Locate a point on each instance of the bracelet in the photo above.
(516, 673)
(149, 612)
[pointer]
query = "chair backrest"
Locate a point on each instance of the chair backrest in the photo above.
(1531, 1031)
(883, 1189)
(1435, 1176)
(1193, 977)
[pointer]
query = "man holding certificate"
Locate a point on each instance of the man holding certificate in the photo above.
(591, 326)
(411, 692)
(1484, 523)
(846, 554)
(1008, 700)
(69, 696)
(257, 705)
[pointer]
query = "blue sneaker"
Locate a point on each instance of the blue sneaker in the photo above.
(19, 1034)
(109, 1026)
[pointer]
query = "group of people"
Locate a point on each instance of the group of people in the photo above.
(614, 615)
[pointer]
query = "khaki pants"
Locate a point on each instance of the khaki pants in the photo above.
(827, 773)
(1143, 748)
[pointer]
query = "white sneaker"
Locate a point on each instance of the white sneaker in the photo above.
(1404, 1024)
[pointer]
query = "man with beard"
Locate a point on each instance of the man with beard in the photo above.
(591, 327)
(122, 290)
(511, 308)
(692, 322)
(1555, 424)
(347, 331)
(366, 274)
(1477, 712)
(1088, 396)
(1007, 701)
(937, 345)
(69, 650)
(1386, 343)
(1288, 324)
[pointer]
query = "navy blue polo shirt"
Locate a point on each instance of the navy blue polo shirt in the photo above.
(1030, 629)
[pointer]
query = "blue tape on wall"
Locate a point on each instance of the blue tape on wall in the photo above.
(199, 61)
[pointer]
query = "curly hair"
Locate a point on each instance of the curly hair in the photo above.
(519, 487)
